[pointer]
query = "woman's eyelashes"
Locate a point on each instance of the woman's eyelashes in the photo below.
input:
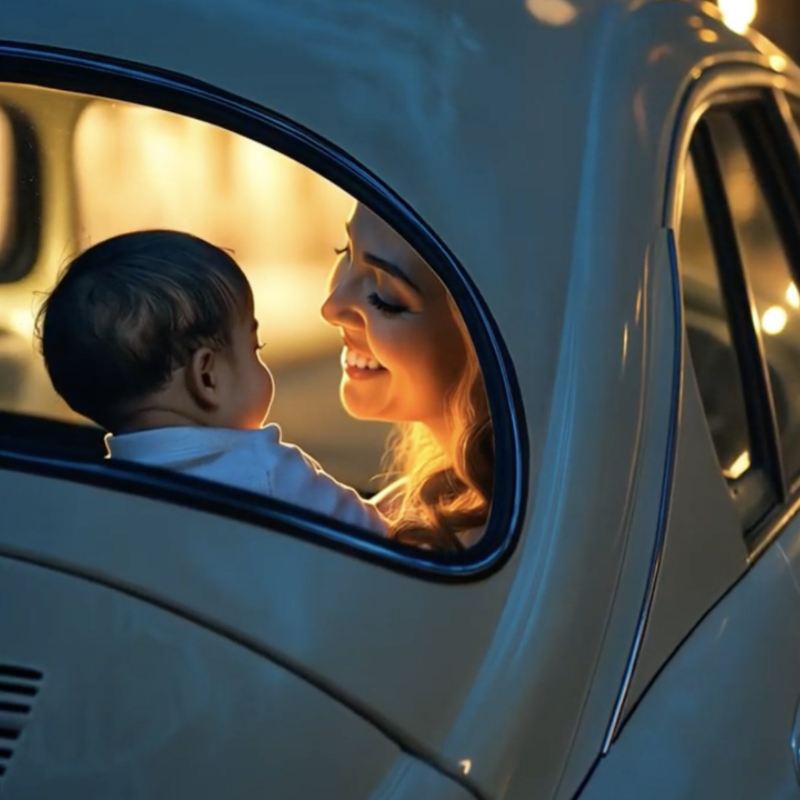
(390, 309)
(373, 298)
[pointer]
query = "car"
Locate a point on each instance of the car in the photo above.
(610, 192)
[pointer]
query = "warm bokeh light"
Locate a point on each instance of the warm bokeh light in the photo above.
(738, 14)
(707, 35)
(778, 62)
(793, 296)
(552, 12)
(740, 465)
(22, 321)
(774, 320)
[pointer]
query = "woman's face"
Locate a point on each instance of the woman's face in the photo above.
(402, 349)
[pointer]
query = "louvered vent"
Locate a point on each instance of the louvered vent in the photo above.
(18, 689)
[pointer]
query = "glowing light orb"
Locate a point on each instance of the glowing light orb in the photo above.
(773, 320)
(738, 14)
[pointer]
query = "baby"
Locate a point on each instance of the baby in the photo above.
(152, 335)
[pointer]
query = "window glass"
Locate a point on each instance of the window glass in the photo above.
(709, 335)
(364, 343)
(772, 285)
(138, 168)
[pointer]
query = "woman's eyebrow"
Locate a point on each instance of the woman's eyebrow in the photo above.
(391, 269)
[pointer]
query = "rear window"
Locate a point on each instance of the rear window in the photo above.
(373, 394)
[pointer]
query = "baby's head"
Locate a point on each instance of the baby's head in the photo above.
(152, 329)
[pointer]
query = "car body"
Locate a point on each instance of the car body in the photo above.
(628, 627)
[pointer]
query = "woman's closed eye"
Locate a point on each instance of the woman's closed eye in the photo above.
(390, 309)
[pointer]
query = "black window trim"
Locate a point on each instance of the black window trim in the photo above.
(127, 81)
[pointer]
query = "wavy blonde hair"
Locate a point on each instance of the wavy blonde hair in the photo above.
(443, 494)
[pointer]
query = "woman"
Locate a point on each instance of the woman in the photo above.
(407, 359)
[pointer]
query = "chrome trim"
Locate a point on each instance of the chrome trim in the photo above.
(664, 505)
(794, 742)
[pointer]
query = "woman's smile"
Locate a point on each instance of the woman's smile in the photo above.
(403, 353)
(359, 365)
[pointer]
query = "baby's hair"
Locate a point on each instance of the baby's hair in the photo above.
(129, 311)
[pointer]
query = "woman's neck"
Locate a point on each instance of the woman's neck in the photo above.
(442, 431)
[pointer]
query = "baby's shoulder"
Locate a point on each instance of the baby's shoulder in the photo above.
(268, 445)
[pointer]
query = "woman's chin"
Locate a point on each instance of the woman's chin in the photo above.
(359, 407)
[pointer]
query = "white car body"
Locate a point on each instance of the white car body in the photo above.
(621, 639)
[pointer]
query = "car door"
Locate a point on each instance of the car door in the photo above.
(711, 708)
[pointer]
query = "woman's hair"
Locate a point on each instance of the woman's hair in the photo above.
(444, 494)
(131, 309)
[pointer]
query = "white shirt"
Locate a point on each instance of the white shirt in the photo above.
(248, 459)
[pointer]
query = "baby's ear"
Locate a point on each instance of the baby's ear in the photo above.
(202, 379)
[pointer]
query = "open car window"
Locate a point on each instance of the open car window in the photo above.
(110, 167)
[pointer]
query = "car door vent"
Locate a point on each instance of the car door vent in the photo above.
(18, 689)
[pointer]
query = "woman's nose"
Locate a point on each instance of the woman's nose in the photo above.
(338, 308)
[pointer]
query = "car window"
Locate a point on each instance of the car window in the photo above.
(319, 272)
(724, 345)
(770, 277)
(708, 333)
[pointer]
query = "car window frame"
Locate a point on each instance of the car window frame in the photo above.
(786, 133)
(783, 131)
(111, 78)
(752, 491)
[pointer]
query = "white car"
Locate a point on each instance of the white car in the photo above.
(611, 193)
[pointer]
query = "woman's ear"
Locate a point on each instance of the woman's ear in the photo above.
(202, 378)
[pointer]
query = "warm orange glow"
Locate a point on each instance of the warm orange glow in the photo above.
(740, 465)
(707, 35)
(738, 14)
(793, 296)
(778, 62)
(143, 168)
(6, 177)
(22, 321)
(552, 12)
(742, 192)
(774, 320)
